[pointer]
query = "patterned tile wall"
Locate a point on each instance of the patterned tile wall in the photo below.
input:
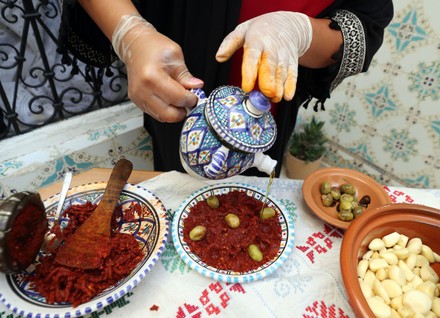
(98, 139)
(386, 122)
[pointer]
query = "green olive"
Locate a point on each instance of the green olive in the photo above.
(346, 198)
(325, 187)
(213, 202)
(232, 220)
(347, 188)
(345, 215)
(357, 211)
(198, 233)
(327, 199)
(255, 253)
(267, 213)
(336, 193)
(345, 205)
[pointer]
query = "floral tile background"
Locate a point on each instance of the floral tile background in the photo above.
(386, 122)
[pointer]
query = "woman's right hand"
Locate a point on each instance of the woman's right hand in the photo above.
(158, 78)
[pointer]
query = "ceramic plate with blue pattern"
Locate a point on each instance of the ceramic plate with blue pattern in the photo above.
(149, 225)
(222, 275)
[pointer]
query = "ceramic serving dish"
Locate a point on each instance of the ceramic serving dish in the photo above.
(150, 229)
(365, 185)
(193, 261)
(412, 220)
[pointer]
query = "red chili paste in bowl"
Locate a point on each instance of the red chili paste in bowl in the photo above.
(226, 248)
(23, 223)
(61, 284)
(26, 236)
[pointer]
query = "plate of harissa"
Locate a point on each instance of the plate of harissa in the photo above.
(226, 233)
(40, 290)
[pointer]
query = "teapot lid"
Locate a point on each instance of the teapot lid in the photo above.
(241, 120)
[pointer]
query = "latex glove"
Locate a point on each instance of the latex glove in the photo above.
(272, 44)
(158, 79)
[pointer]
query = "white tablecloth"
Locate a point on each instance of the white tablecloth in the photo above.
(309, 284)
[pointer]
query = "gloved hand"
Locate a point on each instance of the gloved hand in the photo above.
(272, 44)
(158, 79)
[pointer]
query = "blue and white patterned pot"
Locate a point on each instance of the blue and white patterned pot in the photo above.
(227, 133)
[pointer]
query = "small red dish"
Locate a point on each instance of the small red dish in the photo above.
(365, 185)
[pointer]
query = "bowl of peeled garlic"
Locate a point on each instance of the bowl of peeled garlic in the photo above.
(390, 262)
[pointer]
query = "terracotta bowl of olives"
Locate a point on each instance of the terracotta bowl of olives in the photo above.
(390, 262)
(339, 195)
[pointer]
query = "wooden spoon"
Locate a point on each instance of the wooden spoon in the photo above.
(89, 245)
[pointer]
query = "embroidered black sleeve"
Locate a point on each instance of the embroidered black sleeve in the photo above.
(79, 35)
(354, 48)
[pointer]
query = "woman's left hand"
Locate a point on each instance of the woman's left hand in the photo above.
(272, 45)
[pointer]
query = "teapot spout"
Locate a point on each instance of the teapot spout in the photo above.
(264, 163)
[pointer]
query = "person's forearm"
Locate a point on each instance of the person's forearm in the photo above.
(107, 13)
(325, 43)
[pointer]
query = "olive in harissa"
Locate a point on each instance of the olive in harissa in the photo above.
(198, 233)
(267, 213)
(213, 202)
(232, 220)
(255, 252)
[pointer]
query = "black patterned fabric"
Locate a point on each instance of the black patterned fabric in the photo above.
(353, 57)
(199, 26)
(80, 36)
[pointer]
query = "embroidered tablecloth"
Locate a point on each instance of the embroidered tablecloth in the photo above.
(309, 283)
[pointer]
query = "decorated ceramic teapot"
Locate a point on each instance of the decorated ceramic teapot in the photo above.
(227, 133)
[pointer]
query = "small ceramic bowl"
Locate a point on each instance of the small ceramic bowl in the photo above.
(409, 219)
(365, 185)
(193, 261)
(21, 211)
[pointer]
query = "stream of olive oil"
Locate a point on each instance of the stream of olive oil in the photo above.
(269, 185)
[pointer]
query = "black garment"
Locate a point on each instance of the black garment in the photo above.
(199, 26)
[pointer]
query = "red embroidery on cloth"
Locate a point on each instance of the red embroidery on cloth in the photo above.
(320, 309)
(188, 311)
(320, 242)
(236, 288)
(397, 196)
(213, 300)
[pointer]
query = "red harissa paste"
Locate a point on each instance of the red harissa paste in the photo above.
(26, 236)
(227, 248)
(61, 284)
